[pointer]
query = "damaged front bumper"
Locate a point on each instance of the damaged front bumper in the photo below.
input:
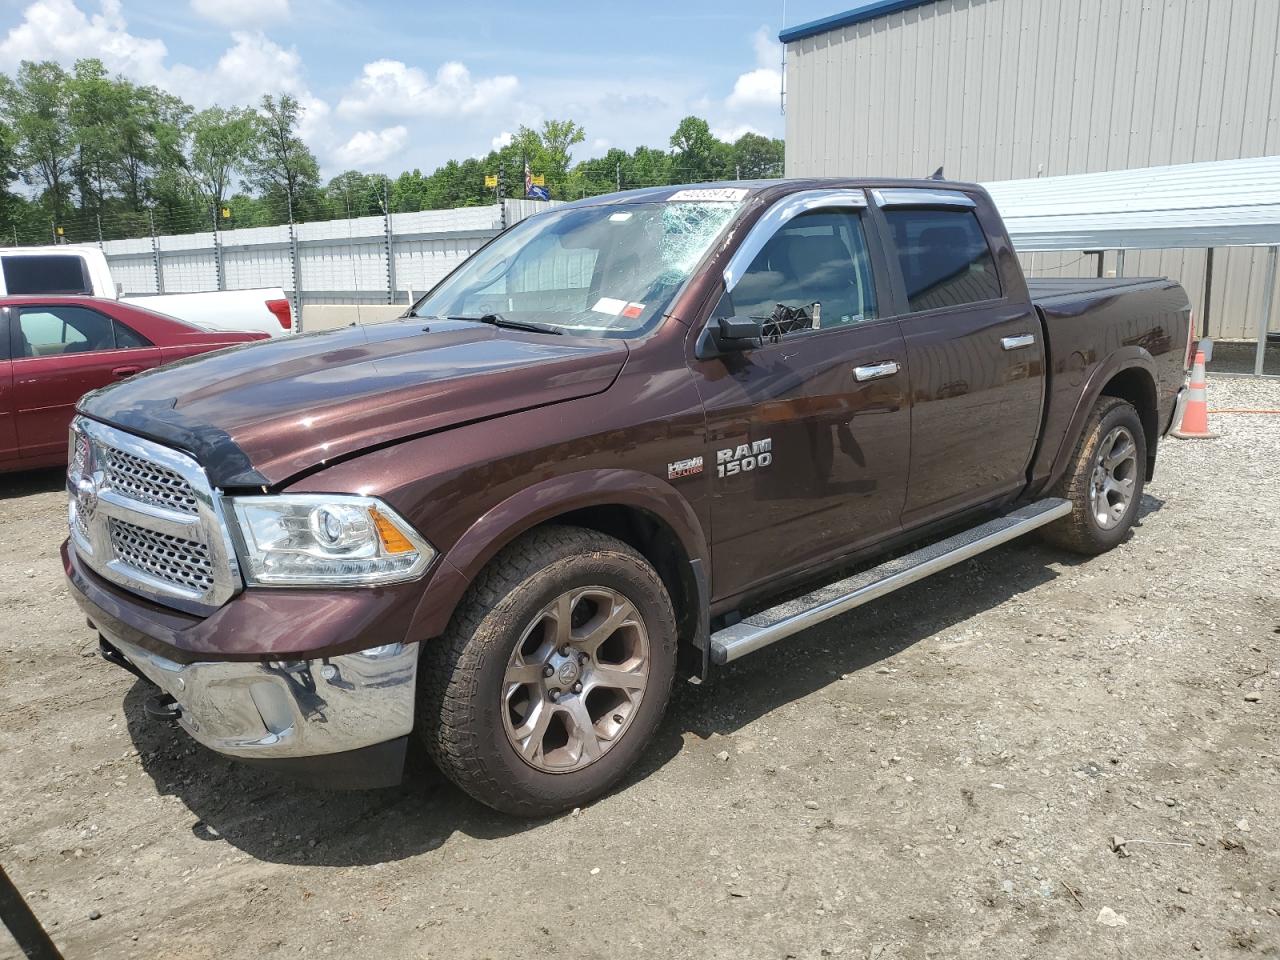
(340, 720)
(337, 721)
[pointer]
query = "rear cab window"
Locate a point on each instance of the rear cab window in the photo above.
(39, 274)
(944, 258)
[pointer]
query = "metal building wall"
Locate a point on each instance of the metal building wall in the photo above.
(1003, 89)
(338, 261)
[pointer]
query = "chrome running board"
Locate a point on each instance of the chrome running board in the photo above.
(767, 626)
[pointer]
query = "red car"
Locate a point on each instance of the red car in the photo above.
(55, 349)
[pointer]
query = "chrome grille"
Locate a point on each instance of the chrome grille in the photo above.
(77, 522)
(184, 563)
(144, 516)
(147, 482)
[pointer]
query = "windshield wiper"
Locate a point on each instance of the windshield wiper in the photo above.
(498, 320)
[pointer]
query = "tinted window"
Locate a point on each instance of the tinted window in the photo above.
(944, 257)
(818, 258)
(51, 274)
(127, 338)
(55, 330)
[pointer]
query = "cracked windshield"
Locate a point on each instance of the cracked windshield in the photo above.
(591, 271)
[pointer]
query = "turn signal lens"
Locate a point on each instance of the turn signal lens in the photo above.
(393, 541)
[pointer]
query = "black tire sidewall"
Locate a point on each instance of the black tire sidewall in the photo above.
(504, 628)
(1122, 415)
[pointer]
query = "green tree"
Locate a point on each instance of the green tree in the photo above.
(12, 206)
(150, 136)
(94, 105)
(280, 162)
(37, 104)
(222, 143)
(356, 194)
(698, 154)
(756, 157)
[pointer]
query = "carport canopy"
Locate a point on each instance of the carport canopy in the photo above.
(1220, 203)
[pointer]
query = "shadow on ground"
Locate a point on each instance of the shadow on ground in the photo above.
(30, 482)
(282, 822)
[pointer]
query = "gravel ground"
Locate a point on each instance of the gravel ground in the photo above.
(940, 774)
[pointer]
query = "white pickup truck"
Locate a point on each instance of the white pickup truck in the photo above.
(84, 271)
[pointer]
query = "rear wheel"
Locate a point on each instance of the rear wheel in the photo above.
(1104, 480)
(553, 675)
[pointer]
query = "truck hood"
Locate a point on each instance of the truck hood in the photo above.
(259, 414)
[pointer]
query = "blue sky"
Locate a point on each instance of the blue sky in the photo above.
(390, 86)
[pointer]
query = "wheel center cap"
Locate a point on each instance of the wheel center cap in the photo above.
(568, 673)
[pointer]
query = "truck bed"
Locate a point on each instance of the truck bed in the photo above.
(1051, 289)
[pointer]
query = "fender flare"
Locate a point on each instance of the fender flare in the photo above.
(537, 504)
(1125, 358)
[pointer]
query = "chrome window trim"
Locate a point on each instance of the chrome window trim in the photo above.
(914, 197)
(782, 212)
(207, 526)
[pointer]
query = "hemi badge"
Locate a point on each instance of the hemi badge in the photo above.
(684, 468)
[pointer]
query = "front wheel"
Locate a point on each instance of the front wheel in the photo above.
(1104, 480)
(553, 675)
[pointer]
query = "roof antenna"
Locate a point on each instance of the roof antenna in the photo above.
(937, 175)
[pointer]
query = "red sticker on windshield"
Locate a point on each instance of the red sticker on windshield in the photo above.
(633, 310)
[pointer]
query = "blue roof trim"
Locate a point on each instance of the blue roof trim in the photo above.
(868, 10)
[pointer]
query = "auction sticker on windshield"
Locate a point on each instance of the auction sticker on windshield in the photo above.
(709, 195)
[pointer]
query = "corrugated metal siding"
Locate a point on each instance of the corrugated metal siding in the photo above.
(1004, 89)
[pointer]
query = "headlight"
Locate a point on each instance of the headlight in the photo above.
(305, 539)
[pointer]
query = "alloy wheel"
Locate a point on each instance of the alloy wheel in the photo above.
(575, 680)
(1114, 478)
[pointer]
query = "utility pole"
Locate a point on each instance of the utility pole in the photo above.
(98, 217)
(619, 173)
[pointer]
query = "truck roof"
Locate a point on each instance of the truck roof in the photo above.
(777, 187)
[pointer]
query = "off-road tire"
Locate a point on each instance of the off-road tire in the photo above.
(1079, 531)
(460, 703)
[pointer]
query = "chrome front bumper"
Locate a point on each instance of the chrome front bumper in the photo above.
(271, 710)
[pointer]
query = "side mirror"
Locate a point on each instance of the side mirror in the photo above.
(723, 335)
(738, 333)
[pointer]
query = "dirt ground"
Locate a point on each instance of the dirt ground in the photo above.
(940, 774)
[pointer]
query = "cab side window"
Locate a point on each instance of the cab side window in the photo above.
(47, 331)
(817, 262)
(944, 258)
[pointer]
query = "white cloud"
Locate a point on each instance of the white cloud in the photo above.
(502, 140)
(768, 50)
(601, 144)
(59, 30)
(371, 147)
(242, 13)
(252, 66)
(392, 88)
(731, 134)
(759, 87)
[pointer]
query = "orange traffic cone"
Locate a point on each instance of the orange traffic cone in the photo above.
(1195, 418)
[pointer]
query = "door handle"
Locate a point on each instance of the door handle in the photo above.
(1018, 342)
(874, 371)
(121, 373)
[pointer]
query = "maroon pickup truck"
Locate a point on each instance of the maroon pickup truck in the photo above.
(632, 438)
